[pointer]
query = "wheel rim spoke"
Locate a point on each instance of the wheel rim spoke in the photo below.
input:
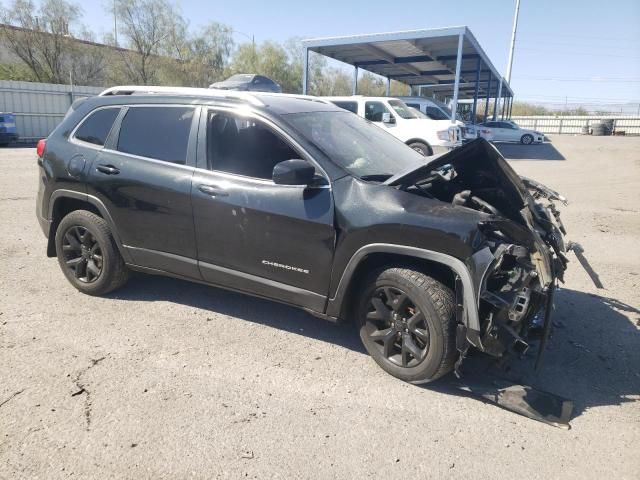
(73, 263)
(82, 254)
(93, 268)
(382, 311)
(409, 347)
(387, 337)
(73, 242)
(397, 327)
(81, 269)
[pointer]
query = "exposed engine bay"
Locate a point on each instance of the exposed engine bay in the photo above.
(521, 248)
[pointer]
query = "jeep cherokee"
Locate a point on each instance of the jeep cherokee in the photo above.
(296, 200)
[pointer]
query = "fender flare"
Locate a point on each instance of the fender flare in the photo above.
(98, 204)
(470, 302)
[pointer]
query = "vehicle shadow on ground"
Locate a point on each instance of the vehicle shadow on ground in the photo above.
(591, 359)
(540, 151)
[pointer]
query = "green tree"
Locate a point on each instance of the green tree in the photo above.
(44, 40)
(270, 59)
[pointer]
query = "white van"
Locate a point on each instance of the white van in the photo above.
(423, 135)
(439, 111)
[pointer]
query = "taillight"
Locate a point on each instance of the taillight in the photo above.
(40, 147)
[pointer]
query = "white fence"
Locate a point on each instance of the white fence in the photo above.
(573, 125)
(39, 107)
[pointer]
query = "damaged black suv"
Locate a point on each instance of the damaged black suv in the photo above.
(292, 199)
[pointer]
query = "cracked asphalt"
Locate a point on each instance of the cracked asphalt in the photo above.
(166, 379)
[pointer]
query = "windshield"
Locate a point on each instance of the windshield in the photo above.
(417, 113)
(401, 109)
(359, 146)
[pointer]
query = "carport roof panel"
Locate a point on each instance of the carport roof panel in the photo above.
(416, 57)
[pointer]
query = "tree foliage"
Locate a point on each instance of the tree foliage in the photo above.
(43, 39)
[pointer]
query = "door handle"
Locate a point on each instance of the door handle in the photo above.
(212, 190)
(108, 169)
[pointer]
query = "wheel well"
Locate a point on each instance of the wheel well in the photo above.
(61, 208)
(420, 140)
(376, 261)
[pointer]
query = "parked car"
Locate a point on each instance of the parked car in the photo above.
(509, 131)
(8, 132)
(296, 200)
(426, 136)
(439, 111)
(248, 82)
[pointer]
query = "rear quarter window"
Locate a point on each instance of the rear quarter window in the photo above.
(97, 125)
(161, 133)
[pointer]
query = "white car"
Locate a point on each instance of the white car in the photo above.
(422, 134)
(508, 131)
(435, 110)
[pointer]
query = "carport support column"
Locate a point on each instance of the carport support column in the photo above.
(486, 103)
(305, 71)
(387, 90)
(454, 105)
(476, 92)
(495, 103)
(355, 81)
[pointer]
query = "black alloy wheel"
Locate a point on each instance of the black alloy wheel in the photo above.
(82, 254)
(397, 327)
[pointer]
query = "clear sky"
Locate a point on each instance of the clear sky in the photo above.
(567, 50)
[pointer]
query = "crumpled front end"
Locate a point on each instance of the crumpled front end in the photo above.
(520, 256)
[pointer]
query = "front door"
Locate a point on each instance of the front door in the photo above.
(252, 235)
(143, 177)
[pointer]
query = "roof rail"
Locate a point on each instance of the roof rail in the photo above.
(186, 91)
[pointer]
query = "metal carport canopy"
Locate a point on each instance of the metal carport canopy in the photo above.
(446, 61)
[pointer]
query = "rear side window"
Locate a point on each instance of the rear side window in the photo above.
(351, 106)
(95, 129)
(161, 133)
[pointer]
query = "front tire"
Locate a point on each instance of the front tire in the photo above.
(422, 148)
(88, 254)
(407, 324)
(526, 139)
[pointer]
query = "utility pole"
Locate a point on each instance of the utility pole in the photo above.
(513, 41)
(115, 24)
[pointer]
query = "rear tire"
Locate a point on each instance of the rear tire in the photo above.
(422, 148)
(88, 254)
(526, 139)
(407, 324)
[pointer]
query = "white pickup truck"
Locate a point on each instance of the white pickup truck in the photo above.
(423, 135)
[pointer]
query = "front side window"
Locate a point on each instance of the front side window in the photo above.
(402, 109)
(244, 146)
(360, 147)
(95, 129)
(161, 133)
(373, 111)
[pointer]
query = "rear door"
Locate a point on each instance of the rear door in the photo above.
(253, 235)
(143, 177)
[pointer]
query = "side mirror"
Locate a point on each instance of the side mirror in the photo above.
(293, 172)
(387, 118)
